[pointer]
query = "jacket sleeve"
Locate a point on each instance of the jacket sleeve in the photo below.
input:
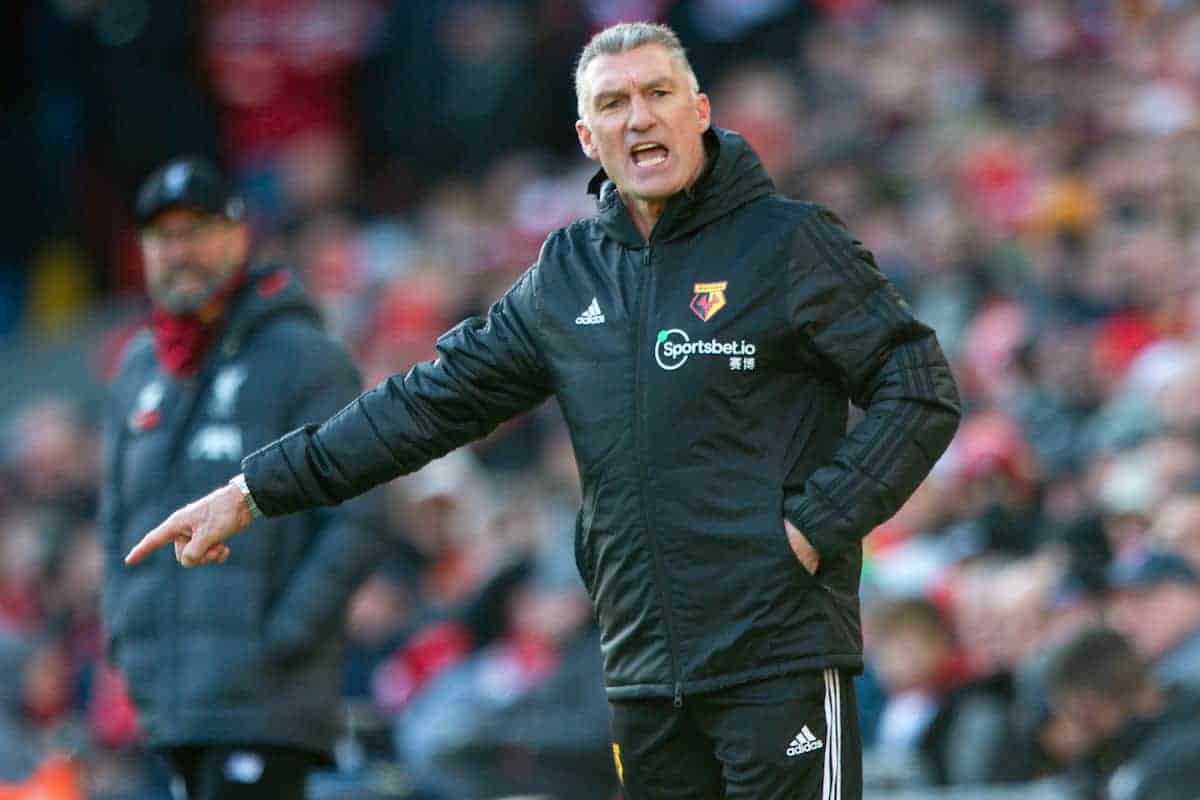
(487, 371)
(891, 366)
(109, 524)
(110, 517)
(349, 539)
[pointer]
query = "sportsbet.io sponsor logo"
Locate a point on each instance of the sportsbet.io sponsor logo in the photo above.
(673, 348)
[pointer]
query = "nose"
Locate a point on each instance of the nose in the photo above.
(640, 116)
(175, 247)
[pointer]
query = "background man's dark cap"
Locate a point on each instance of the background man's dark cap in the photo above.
(187, 183)
(1150, 568)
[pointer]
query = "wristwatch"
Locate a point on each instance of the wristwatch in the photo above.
(239, 481)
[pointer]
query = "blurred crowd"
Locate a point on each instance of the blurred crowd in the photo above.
(1024, 171)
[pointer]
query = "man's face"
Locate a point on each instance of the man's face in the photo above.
(189, 257)
(1156, 618)
(1094, 716)
(643, 123)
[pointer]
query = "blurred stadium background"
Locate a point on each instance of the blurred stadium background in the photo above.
(1025, 170)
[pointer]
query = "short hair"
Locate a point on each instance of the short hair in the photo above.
(911, 614)
(1098, 661)
(622, 38)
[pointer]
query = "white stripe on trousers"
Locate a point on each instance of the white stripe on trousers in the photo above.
(831, 782)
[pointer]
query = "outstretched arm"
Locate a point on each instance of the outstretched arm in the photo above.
(487, 371)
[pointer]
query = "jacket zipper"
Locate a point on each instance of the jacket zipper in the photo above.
(175, 455)
(643, 478)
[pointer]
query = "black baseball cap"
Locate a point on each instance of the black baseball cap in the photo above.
(188, 183)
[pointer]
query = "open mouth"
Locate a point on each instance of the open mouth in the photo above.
(187, 276)
(648, 154)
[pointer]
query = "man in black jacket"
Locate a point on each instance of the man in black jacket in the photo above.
(1138, 740)
(703, 336)
(235, 672)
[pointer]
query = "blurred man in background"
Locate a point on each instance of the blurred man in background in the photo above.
(1156, 603)
(242, 698)
(703, 336)
(1137, 740)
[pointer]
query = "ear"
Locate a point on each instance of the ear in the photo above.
(703, 111)
(585, 140)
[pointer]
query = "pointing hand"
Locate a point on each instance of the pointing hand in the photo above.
(199, 529)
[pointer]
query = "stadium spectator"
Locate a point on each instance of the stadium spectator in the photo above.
(1138, 739)
(914, 656)
(526, 713)
(1177, 526)
(1156, 604)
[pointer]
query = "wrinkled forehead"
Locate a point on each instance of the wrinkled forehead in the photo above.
(644, 66)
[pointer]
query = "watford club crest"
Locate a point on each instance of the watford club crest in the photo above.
(709, 298)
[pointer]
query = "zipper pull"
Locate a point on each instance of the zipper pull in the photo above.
(678, 695)
(646, 256)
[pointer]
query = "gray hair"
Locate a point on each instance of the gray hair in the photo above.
(623, 37)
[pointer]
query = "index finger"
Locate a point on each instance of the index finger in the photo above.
(165, 532)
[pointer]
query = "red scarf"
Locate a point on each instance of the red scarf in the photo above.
(181, 340)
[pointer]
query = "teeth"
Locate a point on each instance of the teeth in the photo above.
(648, 161)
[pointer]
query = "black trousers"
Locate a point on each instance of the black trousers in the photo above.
(794, 737)
(239, 772)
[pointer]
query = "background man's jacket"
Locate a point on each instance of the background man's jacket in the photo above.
(248, 651)
(704, 376)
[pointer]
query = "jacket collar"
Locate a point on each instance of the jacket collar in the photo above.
(269, 291)
(732, 177)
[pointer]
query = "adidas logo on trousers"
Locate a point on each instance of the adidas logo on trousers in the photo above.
(804, 742)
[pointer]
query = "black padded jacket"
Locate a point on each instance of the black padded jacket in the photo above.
(248, 652)
(704, 376)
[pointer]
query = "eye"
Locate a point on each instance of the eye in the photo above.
(661, 92)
